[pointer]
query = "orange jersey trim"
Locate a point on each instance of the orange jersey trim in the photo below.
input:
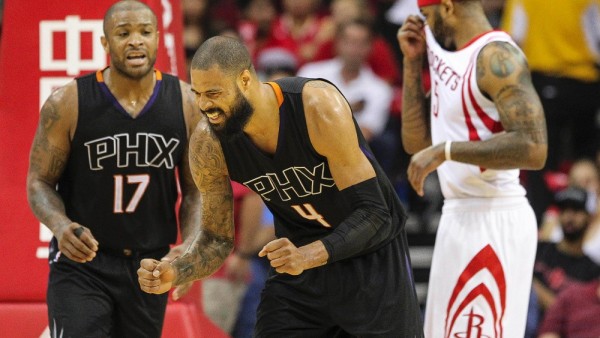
(278, 92)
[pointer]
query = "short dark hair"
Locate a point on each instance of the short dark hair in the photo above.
(125, 5)
(230, 54)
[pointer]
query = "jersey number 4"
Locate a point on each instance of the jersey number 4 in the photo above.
(307, 211)
(141, 180)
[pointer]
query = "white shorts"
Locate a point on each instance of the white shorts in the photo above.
(482, 269)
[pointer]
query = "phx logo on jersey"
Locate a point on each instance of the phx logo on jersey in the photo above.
(478, 301)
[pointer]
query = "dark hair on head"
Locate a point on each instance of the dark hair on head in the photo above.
(228, 53)
(126, 5)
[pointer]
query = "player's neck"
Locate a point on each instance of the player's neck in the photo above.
(126, 88)
(263, 126)
(470, 29)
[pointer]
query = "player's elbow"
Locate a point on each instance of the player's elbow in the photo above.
(412, 146)
(537, 154)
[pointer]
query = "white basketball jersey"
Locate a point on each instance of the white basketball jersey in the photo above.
(460, 112)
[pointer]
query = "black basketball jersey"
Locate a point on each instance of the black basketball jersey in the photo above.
(119, 180)
(295, 182)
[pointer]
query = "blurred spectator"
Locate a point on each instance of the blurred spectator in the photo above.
(275, 63)
(256, 26)
(203, 19)
(559, 264)
(369, 96)
(381, 59)
(562, 42)
(302, 28)
(195, 25)
(583, 173)
(224, 293)
(575, 314)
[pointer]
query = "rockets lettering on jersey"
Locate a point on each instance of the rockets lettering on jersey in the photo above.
(445, 73)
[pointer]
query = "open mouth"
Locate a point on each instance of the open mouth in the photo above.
(136, 58)
(212, 115)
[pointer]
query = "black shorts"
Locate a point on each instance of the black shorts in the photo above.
(368, 296)
(102, 298)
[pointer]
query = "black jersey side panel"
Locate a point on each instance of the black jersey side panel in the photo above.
(120, 177)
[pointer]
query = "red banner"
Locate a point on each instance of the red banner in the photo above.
(44, 45)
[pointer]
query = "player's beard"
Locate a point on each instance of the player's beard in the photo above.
(240, 113)
(442, 33)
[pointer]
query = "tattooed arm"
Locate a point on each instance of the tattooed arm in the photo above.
(189, 210)
(503, 75)
(47, 160)
(213, 240)
(416, 134)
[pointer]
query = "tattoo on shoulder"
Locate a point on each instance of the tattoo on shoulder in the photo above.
(46, 158)
(49, 115)
(502, 63)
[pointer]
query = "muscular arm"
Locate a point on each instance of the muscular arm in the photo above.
(326, 111)
(48, 157)
(213, 240)
(503, 75)
(416, 134)
(189, 212)
(47, 161)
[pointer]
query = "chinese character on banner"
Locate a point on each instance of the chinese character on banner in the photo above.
(44, 45)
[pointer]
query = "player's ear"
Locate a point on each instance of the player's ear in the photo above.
(104, 43)
(245, 79)
(446, 7)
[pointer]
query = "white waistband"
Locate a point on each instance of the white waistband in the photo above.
(484, 204)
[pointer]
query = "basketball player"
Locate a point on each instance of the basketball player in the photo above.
(102, 178)
(481, 123)
(340, 264)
